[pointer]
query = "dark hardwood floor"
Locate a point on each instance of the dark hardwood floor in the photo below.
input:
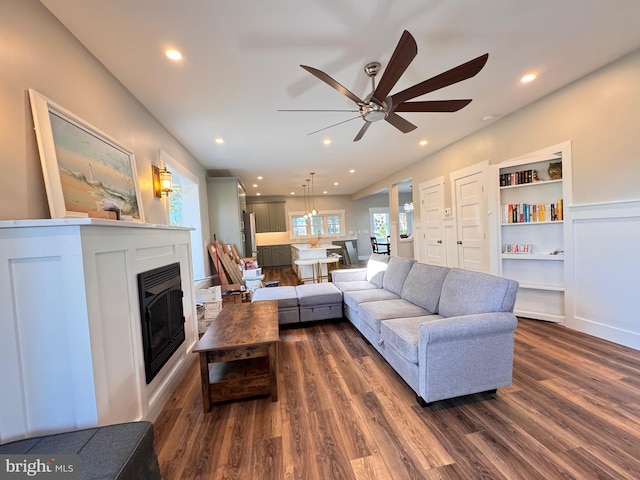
(573, 411)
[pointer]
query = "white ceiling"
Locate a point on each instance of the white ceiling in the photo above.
(241, 64)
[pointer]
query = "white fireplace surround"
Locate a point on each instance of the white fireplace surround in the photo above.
(70, 335)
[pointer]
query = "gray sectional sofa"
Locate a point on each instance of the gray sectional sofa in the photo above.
(447, 332)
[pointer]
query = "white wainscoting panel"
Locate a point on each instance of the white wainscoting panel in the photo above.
(603, 272)
(70, 334)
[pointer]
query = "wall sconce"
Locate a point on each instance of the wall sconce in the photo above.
(162, 183)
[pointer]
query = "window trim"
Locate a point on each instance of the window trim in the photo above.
(323, 214)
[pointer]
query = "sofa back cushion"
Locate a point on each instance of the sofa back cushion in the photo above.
(466, 292)
(423, 285)
(376, 266)
(396, 273)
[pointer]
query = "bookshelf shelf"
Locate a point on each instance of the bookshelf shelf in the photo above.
(545, 257)
(525, 194)
(533, 184)
(519, 224)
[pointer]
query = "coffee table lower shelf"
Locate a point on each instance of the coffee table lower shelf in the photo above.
(239, 379)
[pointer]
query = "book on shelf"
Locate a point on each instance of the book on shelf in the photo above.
(528, 213)
(517, 178)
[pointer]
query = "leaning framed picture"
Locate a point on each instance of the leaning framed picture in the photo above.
(84, 170)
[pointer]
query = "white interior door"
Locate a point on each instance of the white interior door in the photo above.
(432, 207)
(471, 218)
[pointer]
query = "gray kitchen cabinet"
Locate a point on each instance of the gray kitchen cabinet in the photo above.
(270, 217)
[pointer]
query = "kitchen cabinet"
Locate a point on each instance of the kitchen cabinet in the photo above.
(274, 255)
(270, 217)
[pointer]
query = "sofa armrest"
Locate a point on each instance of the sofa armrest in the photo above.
(466, 354)
(349, 274)
(455, 329)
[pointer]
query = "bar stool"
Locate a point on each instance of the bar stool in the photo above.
(300, 270)
(331, 263)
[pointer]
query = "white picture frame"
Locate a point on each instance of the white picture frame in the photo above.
(83, 168)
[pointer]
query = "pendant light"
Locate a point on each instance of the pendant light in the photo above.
(304, 194)
(307, 206)
(314, 212)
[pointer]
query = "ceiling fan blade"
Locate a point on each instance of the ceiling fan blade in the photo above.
(362, 131)
(339, 123)
(400, 123)
(432, 106)
(283, 110)
(405, 52)
(455, 75)
(332, 83)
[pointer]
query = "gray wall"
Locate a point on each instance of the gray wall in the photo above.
(37, 51)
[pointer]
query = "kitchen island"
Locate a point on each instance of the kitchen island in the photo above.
(303, 251)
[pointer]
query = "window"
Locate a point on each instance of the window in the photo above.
(379, 223)
(184, 209)
(326, 224)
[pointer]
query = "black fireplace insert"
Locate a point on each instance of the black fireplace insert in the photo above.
(162, 316)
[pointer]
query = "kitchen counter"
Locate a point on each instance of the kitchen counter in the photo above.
(305, 247)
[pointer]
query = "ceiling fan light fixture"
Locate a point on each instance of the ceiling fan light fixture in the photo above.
(380, 105)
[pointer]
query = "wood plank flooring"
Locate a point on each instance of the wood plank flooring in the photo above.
(573, 411)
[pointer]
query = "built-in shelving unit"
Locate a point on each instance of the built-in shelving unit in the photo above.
(531, 209)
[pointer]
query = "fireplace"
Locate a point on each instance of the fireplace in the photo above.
(160, 292)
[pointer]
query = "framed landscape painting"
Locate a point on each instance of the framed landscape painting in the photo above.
(84, 170)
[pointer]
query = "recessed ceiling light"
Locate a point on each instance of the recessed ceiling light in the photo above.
(352, 171)
(423, 142)
(293, 193)
(255, 185)
(259, 177)
(325, 192)
(336, 183)
(529, 77)
(327, 141)
(218, 140)
(258, 194)
(173, 54)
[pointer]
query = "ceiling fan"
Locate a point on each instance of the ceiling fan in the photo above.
(378, 105)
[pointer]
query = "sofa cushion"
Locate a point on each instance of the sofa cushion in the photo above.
(314, 294)
(356, 285)
(423, 285)
(403, 333)
(372, 313)
(286, 296)
(396, 273)
(355, 298)
(465, 292)
(376, 267)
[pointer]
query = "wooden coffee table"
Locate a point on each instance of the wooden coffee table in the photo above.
(238, 353)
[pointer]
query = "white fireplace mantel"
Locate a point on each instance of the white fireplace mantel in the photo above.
(70, 334)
